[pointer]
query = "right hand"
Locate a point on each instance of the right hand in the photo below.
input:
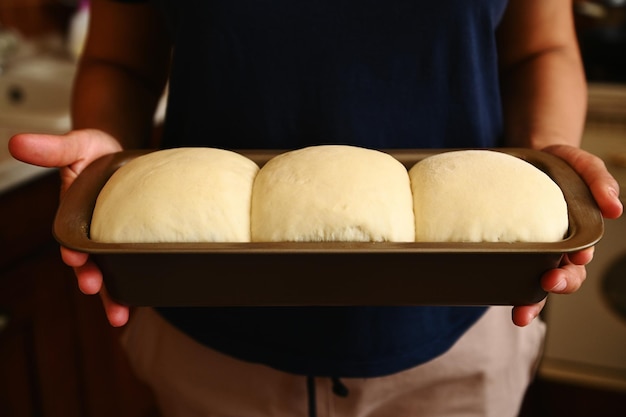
(72, 153)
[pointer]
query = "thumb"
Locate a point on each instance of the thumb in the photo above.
(62, 150)
(44, 150)
(592, 169)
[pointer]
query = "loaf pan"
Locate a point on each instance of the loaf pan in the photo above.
(330, 273)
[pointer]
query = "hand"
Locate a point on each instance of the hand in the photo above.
(72, 153)
(571, 273)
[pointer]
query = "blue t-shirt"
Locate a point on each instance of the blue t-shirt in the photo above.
(285, 74)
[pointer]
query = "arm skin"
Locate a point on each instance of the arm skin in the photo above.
(123, 71)
(545, 102)
(121, 76)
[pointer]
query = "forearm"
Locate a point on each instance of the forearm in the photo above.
(545, 100)
(122, 72)
(111, 99)
(542, 78)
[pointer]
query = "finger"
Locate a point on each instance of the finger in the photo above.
(90, 282)
(564, 280)
(87, 273)
(45, 150)
(76, 148)
(582, 257)
(71, 152)
(117, 314)
(524, 315)
(73, 258)
(89, 278)
(603, 186)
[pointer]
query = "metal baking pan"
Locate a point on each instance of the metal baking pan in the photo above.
(332, 273)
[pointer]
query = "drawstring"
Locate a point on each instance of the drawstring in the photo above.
(310, 390)
(338, 388)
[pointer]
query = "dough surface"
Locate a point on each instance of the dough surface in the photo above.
(332, 193)
(485, 196)
(177, 195)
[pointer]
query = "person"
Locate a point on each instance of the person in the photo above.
(286, 74)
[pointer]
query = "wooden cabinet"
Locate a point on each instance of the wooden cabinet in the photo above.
(58, 355)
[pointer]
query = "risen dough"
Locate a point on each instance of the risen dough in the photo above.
(332, 193)
(485, 196)
(177, 195)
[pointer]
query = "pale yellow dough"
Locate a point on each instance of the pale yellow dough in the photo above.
(332, 193)
(485, 196)
(177, 195)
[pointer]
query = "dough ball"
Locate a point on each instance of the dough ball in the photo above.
(177, 195)
(485, 196)
(332, 193)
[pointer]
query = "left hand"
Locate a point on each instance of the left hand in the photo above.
(571, 273)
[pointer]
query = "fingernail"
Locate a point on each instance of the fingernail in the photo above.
(560, 286)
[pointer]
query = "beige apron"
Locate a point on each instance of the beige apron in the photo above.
(485, 373)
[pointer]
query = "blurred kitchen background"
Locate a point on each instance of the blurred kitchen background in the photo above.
(59, 357)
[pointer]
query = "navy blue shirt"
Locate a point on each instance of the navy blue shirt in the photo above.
(284, 74)
(376, 73)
